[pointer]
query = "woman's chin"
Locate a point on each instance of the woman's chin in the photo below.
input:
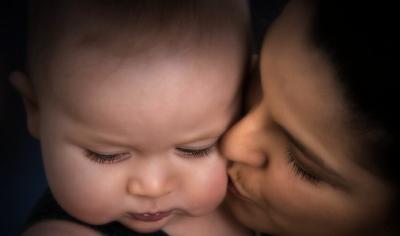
(248, 214)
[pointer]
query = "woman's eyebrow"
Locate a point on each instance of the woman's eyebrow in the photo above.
(311, 156)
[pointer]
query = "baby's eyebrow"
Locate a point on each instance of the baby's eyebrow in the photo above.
(205, 141)
(96, 139)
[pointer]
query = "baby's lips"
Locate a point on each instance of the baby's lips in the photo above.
(150, 216)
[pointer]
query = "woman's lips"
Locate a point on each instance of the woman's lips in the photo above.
(232, 188)
(150, 216)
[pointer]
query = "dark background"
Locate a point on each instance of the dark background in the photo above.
(21, 171)
(22, 177)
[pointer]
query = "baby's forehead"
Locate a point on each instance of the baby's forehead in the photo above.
(98, 79)
(66, 33)
(138, 24)
(79, 57)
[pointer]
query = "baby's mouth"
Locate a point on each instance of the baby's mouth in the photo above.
(150, 216)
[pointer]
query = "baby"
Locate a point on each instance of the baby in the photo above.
(129, 100)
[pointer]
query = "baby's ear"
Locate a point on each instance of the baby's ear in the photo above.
(25, 88)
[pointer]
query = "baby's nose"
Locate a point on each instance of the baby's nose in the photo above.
(151, 183)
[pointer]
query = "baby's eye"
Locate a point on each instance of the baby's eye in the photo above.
(196, 153)
(105, 158)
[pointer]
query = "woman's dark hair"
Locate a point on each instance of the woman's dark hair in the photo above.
(263, 14)
(361, 40)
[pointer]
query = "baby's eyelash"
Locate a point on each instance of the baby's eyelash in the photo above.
(298, 170)
(104, 158)
(196, 153)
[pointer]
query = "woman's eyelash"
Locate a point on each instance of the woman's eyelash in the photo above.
(196, 153)
(298, 170)
(104, 158)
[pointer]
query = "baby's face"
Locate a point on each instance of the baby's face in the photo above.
(134, 140)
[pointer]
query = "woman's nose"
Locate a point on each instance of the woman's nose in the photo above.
(242, 141)
(151, 182)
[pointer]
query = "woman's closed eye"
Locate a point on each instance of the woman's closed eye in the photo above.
(105, 158)
(298, 169)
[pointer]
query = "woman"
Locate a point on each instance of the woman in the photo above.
(316, 152)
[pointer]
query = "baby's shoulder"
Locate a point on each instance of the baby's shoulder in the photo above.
(59, 227)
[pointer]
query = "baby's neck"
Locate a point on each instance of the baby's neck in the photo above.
(217, 223)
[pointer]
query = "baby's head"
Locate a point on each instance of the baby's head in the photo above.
(62, 31)
(129, 100)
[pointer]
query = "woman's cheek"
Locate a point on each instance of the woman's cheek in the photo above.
(283, 191)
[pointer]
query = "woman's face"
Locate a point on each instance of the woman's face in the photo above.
(296, 165)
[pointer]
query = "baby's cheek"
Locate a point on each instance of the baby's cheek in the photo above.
(84, 192)
(210, 192)
(92, 202)
(218, 185)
